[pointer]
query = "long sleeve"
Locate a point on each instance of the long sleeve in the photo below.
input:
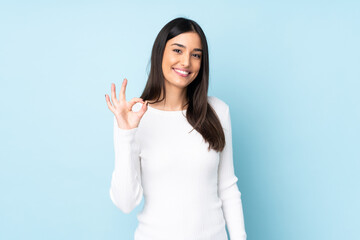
(126, 191)
(228, 190)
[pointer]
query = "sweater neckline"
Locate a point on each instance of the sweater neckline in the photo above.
(166, 112)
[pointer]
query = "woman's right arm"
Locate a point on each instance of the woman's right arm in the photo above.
(126, 190)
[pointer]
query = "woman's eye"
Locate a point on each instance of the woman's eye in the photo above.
(196, 55)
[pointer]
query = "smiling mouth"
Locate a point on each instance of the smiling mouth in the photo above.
(181, 73)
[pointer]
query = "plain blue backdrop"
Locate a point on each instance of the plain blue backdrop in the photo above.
(289, 70)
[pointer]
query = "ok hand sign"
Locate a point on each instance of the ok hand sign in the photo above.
(126, 118)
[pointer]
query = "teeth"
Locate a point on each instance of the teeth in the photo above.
(181, 71)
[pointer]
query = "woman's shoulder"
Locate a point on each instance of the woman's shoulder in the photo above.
(219, 105)
(217, 102)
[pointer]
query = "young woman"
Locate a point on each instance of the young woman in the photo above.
(176, 150)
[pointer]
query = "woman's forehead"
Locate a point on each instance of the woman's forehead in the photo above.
(186, 40)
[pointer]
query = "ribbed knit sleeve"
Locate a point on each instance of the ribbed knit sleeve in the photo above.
(126, 191)
(228, 190)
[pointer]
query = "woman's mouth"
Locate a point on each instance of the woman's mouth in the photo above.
(181, 73)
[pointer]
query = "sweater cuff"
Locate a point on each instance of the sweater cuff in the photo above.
(126, 135)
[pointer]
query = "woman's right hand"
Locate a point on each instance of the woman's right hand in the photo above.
(126, 118)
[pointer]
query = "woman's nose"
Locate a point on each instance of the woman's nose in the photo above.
(185, 60)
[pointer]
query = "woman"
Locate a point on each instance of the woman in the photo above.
(186, 177)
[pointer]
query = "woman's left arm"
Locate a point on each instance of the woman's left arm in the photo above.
(227, 188)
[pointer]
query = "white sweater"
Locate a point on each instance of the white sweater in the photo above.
(189, 192)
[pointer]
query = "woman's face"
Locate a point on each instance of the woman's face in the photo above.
(182, 52)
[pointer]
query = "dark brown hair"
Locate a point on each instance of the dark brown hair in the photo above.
(199, 112)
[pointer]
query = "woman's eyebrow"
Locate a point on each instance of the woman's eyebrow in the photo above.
(180, 45)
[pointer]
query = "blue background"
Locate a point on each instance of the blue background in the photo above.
(289, 70)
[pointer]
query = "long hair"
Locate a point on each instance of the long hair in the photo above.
(199, 113)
